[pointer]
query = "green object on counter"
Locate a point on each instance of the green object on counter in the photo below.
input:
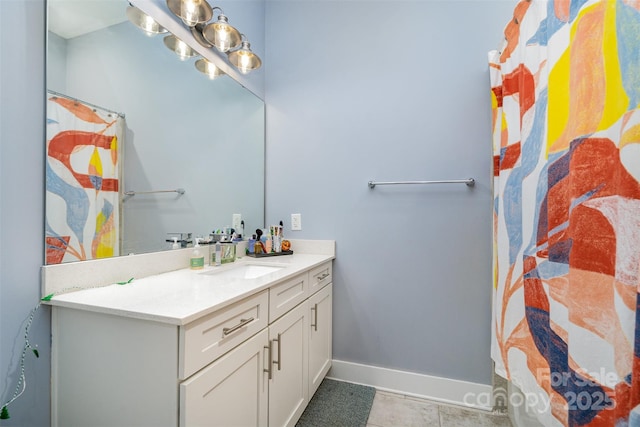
(228, 252)
(4, 414)
(48, 297)
(125, 283)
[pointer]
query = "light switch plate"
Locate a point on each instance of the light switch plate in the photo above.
(235, 221)
(296, 222)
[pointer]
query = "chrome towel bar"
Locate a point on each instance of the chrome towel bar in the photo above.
(133, 193)
(470, 182)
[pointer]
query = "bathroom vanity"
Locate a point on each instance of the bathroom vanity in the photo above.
(245, 344)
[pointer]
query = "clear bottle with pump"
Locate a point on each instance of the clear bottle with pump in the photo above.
(175, 244)
(197, 257)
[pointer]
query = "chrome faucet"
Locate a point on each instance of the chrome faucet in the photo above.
(183, 238)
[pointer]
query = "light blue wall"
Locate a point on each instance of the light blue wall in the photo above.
(56, 63)
(390, 90)
(22, 85)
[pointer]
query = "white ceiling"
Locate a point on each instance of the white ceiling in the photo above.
(72, 18)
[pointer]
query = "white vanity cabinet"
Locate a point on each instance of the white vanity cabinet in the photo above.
(255, 362)
(109, 370)
(288, 386)
(320, 336)
(232, 391)
(321, 329)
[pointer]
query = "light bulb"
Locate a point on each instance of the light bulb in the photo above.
(244, 59)
(148, 25)
(179, 47)
(143, 21)
(222, 35)
(189, 11)
(208, 68)
(182, 50)
(244, 63)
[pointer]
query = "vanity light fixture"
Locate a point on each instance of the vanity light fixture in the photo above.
(221, 34)
(226, 39)
(144, 21)
(191, 12)
(208, 68)
(179, 47)
(244, 59)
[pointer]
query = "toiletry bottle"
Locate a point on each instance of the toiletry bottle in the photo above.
(218, 253)
(175, 245)
(258, 247)
(251, 244)
(197, 257)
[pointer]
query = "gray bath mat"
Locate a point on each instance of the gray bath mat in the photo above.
(338, 404)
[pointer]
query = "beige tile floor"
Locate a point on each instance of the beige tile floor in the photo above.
(395, 410)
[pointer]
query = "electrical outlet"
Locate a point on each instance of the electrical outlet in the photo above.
(235, 222)
(296, 222)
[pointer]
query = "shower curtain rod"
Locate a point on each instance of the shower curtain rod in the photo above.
(62, 95)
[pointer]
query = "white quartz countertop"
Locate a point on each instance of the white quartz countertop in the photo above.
(182, 296)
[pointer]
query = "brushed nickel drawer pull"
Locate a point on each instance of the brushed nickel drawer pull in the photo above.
(277, 362)
(268, 368)
(324, 276)
(314, 325)
(243, 322)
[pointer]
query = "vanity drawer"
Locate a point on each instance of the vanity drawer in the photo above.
(206, 339)
(286, 295)
(319, 277)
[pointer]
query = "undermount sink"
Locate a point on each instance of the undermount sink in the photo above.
(245, 271)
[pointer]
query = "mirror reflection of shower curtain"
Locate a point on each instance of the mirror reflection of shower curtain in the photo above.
(83, 176)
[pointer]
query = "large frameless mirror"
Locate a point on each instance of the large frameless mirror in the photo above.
(140, 146)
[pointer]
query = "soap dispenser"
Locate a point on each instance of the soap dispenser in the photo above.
(197, 257)
(175, 245)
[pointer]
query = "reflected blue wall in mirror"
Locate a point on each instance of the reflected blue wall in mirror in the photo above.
(183, 131)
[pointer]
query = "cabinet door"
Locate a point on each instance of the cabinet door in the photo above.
(289, 383)
(320, 336)
(232, 391)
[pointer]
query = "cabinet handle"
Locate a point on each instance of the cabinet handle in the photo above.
(268, 368)
(325, 275)
(314, 325)
(243, 322)
(277, 362)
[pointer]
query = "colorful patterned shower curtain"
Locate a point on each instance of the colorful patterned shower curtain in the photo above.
(566, 137)
(83, 174)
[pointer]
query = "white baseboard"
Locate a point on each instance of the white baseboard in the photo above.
(445, 390)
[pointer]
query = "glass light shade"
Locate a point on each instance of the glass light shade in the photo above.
(180, 48)
(222, 35)
(208, 68)
(191, 12)
(144, 21)
(244, 59)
